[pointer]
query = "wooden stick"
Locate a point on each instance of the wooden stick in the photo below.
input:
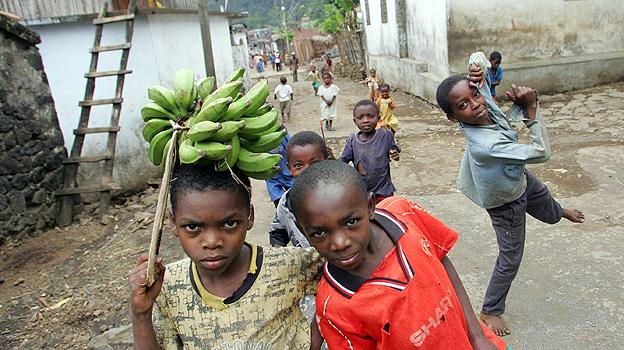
(322, 132)
(161, 207)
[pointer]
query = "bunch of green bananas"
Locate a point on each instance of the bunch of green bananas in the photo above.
(224, 126)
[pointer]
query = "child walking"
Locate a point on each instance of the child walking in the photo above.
(494, 176)
(370, 150)
(284, 94)
(386, 106)
(328, 92)
(373, 85)
(387, 282)
(315, 77)
(228, 293)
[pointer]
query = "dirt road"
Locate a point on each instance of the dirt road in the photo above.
(568, 294)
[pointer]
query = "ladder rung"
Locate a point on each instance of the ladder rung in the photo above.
(107, 73)
(86, 189)
(87, 159)
(107, 101)
(119, 18)
(110, 47)
(82, 131)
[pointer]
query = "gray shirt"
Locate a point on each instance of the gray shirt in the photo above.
(492, 171)
(284, 228)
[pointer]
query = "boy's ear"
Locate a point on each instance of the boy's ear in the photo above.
(451, 118)
(251, 217)
(172, 222)
(371, 206)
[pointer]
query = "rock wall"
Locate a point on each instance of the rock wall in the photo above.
(31, 142)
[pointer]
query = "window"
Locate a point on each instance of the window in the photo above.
(384, 11)
(366, 9)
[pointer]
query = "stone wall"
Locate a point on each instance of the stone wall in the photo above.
(31, 142)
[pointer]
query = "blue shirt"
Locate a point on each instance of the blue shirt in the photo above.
(496, 76)
(283, 180)
(373, 155)
(492, 171)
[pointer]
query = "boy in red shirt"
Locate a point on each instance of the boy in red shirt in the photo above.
(387, 283)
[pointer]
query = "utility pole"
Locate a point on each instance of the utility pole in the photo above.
(283, 11)
(204, 25)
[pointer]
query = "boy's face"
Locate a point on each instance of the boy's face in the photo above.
(467, 105)
(373, 73)
(336, 221)
(365, 118)
(385, 93)
(327, 79)
(301, 157)
(495, 63)
(211, 226)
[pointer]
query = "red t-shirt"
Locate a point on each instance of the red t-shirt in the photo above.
(408, 302)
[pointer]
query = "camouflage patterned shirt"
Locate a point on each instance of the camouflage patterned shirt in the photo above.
(262, 314)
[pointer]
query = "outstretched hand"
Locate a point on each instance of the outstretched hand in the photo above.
(394, 154)
(475, 76)
(142, 298)
(525, 97)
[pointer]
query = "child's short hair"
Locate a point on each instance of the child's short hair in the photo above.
(365, 102)
(283, 80)
(327, 172)
(327, 74)
(383, 86)
(199, 177)
(495, 55)
(444, 89)
(304, 138)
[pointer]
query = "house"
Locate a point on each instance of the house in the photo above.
(555, 45)
(165, 40)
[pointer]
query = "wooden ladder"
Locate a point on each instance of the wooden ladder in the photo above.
(71, 190)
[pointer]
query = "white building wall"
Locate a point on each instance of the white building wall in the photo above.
(161, 44)
(427, 33)
(382, 39)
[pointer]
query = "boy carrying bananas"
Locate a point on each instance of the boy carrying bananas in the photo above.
(228, 293)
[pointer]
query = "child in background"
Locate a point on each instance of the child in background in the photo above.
(373, 85)
(494, 176)
(260, 65)
(386, 106)
(284, 94)
(387, 282)
(303, 149)
(371, 149)
(283, 181)
(315, 77)
(228, 293)
(495, 73)
(329, 107)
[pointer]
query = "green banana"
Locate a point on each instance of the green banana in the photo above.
(205, 86)
(238, 97)
(265, 143)
(236, 110)
(236, 74)
(188, 153)
(184, 89)
(153, 110)
(228, 130)
(262, 175)
(213, 150)
(276, 126)
(257, 125)
(260, 111)
(163, 97)
(154, 126)
(232, 155)
(230, 89)
(256, 162)
(157, 146)
(258, 94)
(203, 130)
(211, 111)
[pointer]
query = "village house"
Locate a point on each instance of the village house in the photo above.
(557, 45)
(165, 40)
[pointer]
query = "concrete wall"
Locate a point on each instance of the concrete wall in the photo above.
(427, 33)
(381, 38)
(162, 44)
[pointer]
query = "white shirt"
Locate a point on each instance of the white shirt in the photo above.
(283, 92)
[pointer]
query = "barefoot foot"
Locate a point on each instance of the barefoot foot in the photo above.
(496, 324)
(573, 215)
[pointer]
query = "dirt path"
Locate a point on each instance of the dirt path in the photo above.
(567, 295)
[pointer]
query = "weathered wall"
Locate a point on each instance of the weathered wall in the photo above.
(534, 29)
(381, 38)
(162, 43)
(427, 33)
(31, 143)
